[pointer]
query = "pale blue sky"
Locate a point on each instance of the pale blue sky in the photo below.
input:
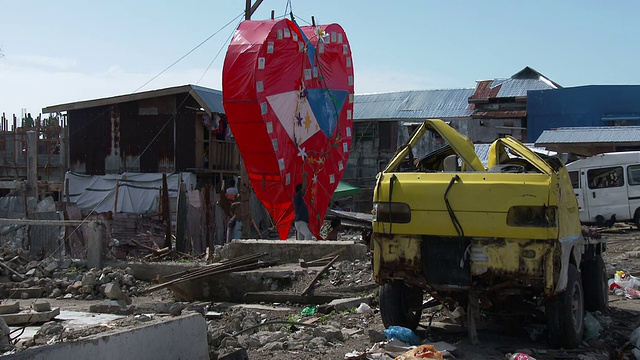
(70, 50)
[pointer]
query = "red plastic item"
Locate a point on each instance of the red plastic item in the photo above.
(288, 97)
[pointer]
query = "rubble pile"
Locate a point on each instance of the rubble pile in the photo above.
(65, 279)
(257, 331)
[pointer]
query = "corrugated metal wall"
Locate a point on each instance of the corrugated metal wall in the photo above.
(136, 136)
(580, 106)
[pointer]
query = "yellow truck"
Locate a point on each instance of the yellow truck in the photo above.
(496, 239)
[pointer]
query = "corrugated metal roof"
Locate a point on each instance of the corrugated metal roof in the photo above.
(598, 134)
(505, 88)
(421, 104)
(209, 99)
(519, 87)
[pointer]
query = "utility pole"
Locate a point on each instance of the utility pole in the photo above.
(250, 9)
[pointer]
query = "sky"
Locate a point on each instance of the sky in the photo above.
(56, 52)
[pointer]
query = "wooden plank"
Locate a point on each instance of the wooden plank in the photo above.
(322, 271)
(20, 276)
(16, 184)
(45, 222)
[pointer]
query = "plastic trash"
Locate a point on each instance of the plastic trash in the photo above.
(592, 327)
(308, 311)
(403, 334)
(421, 352)
(625, 280)
(520, 356)
(364, 309)
(631, 293)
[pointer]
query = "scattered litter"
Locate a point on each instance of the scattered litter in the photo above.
(364, 309)
(403, 334)
(519, 356)
(422, 352)
(308, 311)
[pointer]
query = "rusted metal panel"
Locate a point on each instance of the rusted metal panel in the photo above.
(45, 240)
(88, 144)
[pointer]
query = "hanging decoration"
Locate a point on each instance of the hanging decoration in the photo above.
(288, 97)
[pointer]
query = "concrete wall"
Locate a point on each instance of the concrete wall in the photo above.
(179, 338)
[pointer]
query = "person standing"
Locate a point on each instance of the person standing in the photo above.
(301, 219)
(336, 225)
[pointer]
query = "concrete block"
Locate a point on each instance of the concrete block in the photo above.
(113, 292)
(183, 337)
(42, 306)
(10, 308)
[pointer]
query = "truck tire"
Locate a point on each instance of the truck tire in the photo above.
(565, 313)
(400, 305)
(594, 283)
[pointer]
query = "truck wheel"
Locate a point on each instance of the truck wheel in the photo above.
(594, 282)
(400, 305)
(565, 313)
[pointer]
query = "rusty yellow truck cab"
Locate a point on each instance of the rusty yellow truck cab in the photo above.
(478, 236)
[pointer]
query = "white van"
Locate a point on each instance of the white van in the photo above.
(607, 184)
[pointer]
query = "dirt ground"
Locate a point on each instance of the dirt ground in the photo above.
(363, 331)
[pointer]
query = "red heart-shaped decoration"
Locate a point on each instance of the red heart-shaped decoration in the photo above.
(288, 97)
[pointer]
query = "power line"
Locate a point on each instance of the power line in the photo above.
(187, 54)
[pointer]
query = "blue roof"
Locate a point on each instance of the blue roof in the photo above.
(420, 104)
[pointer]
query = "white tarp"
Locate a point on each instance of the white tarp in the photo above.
(137, 192)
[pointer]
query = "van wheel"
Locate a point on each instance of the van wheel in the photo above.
(594, 283)
(565, 313)
(400, 305)
(636, 218)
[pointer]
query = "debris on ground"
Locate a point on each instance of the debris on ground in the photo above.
(344, 326)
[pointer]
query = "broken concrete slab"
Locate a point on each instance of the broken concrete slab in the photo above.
(118, 307)
(343, 304)
(283, 297)
(26, 293)
(291, 251)
(260, 307)
(183, 337)
(30, 317)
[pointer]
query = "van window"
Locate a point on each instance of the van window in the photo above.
(605, 177)
(633, 173)
(575, 179)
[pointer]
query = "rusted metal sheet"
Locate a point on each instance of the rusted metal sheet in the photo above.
(44, 240)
